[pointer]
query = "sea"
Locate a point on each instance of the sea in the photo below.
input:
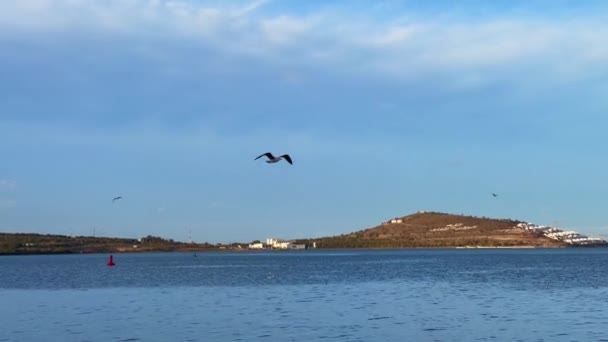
(308, 295)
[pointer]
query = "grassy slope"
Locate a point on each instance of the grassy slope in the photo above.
(417, 230)
(431, 229)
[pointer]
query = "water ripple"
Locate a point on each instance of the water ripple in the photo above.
(423, 295)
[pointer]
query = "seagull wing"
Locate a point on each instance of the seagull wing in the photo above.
(267, 154)
(288, 158)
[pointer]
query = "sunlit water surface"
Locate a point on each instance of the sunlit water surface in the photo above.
(396, 295)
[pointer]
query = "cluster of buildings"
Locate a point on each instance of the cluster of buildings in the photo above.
(272, 243)
(568, 236)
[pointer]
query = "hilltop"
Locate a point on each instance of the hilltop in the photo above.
(434, 229)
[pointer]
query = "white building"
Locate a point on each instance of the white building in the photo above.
(569, 236)
(282, 244)
(257, 245)
(278, 244)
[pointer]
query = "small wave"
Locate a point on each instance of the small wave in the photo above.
(434, 329)
(208, 266)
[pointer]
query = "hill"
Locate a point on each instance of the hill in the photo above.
(25, 243)
(420, 230)
(433, 229)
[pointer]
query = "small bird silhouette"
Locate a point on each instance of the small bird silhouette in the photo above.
(495, 195)
(116, 198)
(273, 159)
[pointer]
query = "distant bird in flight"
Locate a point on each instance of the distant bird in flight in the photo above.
(273, 159)
(116, 198)
(495, 195)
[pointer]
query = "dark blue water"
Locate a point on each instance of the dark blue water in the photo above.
(404, 295)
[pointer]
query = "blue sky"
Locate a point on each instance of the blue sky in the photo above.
(386, 108)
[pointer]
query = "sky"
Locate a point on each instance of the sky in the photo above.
(386, 107)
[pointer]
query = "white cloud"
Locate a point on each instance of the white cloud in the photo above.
(8, 184)
(399, 48)
(284, 29)
(251, 7)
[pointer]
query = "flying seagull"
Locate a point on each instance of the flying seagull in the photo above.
(495, 195)
(116, 198)
(273, 159)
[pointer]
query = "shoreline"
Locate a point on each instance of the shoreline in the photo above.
(216, 250)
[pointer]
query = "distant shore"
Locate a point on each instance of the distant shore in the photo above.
(421, 230)
(245, 250)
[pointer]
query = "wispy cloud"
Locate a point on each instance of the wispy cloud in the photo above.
(8, 184)
(7, 204)
(251, 7)
(284, 29)
(199, 138)
(411, 43)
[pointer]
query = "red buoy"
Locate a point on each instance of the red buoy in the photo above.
(111, 261)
